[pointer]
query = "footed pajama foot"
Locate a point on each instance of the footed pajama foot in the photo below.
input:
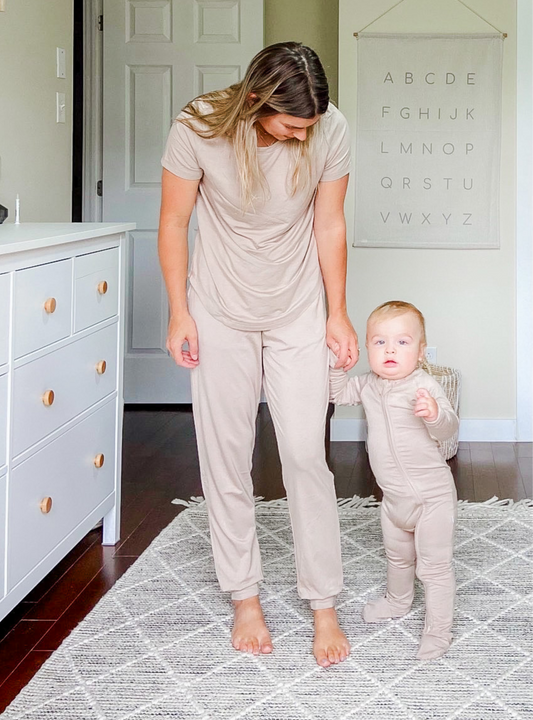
(433, 646)
(381, 610)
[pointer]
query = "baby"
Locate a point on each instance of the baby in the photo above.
(407, 413)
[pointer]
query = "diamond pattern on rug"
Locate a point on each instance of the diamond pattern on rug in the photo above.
(483, 642)
(158, 644)
(328, 696)
(485, 709)
(515, 691)
(484, 600)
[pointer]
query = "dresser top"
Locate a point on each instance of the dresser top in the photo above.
(33, 236)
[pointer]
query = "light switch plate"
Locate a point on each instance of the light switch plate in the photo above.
(61, 63)
(60, 108)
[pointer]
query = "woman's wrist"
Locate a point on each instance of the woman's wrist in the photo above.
(179, 312)
(337, 312)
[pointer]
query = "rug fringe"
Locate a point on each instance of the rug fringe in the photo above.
(195, 501)
(357, 502)
(494, 501)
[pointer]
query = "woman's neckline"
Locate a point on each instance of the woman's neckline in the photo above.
(264, 136)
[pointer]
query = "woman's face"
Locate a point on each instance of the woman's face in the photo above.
(286, 127)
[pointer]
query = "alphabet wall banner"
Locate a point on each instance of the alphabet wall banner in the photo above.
(427, 168)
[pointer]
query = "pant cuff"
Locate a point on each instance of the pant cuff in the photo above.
(246, 593)
(323, 604)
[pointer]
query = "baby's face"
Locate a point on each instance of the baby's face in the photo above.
(394, 345)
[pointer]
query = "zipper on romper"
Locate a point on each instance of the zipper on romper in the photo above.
(392, 447)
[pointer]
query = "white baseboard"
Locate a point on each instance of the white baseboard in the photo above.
(470, 429)
(487, 430)
(348, 429)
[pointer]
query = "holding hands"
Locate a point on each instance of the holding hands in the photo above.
(426, 406)
(341, 338)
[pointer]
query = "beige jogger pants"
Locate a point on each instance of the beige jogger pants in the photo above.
(292, 364)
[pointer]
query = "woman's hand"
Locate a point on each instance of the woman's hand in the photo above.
(342, 339)
(181, 330)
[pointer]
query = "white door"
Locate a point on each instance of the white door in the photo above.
(159, 54)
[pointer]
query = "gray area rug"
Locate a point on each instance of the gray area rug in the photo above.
(158, 644)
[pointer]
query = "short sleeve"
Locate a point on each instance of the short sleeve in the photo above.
(339, 150)
(180, 156)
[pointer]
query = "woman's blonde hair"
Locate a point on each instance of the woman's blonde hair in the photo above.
(283, 78)
(393, 308)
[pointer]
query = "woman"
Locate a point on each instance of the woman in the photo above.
(266, 161)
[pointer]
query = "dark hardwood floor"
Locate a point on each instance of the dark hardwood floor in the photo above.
(159, 464)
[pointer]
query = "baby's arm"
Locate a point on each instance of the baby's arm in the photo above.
(343, 390)
(435, 410)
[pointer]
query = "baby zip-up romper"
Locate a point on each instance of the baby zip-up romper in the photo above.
(418, 511)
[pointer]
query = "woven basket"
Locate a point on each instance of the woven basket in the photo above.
(450, 381)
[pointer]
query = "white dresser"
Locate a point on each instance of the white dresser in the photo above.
(61, 357)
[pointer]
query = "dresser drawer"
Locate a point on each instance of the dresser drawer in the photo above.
(4, 318)
(66, 472)
(4, 379)
(43, 306)
(50, 391)
(96, 288)
(2, 534)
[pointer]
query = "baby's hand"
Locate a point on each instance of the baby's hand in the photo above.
(426, 406)
(333, 360)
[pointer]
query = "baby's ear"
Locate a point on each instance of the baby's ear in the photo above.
(421, 352)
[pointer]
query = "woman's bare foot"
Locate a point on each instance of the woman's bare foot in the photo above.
(250, 633)
(330, 645)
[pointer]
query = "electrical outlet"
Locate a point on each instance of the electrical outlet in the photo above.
(431, 354)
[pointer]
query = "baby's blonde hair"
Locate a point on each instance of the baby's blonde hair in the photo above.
(393, 308)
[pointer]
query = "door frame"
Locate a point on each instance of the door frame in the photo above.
(524, 222)
(93, 79)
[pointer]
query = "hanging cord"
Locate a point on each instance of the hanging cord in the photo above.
(378, 18)
(482, 18)
(503, 34)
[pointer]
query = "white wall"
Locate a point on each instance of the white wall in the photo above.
(467, 296)
(35, 151)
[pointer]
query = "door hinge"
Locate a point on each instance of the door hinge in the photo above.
(100, 22)
(99, 188)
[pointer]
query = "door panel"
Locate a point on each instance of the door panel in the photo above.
(158, 54)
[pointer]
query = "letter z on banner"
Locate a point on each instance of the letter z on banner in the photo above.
(428, 141)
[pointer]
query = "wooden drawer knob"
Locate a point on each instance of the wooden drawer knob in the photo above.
(102, 287)
(46, 505)
(50, 305)
(48, 398)
(101, 367)
(99, 460)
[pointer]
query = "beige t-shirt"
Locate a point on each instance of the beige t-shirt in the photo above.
(256, 270)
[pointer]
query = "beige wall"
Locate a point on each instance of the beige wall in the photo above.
(467, 296)
(35, 151)
(312, 22)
